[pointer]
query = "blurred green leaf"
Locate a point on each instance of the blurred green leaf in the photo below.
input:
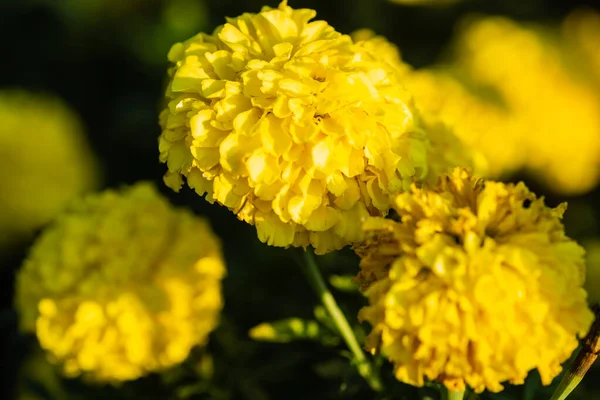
(205, 366)
(471, 396)
(253, 391)
(173, 375)
(185, 392)
(39, 379)
(343, 283)
(291, 329)
(532, 384)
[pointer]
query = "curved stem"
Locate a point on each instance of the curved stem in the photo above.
(365, 368)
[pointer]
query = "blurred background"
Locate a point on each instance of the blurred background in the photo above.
(81, 84)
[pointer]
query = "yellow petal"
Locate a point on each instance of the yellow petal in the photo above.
(272, 231)
(322, 219)
(274, 138)
(263, 167)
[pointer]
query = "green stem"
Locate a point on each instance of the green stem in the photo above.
(566, 386)
(456, 395)
(365, 369)
(584, 359)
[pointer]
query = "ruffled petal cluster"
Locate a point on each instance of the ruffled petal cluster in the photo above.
(541, 83)
(45, 162)
(382, 49)
(476, 284)
(121, 284)
(291, 125)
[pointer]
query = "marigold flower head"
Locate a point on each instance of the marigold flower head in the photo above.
(46, 162)
(292, 126)
(558, 110)
(121, 285)
(476, 284)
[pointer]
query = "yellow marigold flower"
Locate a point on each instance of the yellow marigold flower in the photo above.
(292, 126)
(558, 111)
(484, 125)
(476, 285)
(45, 162)
(121, 285)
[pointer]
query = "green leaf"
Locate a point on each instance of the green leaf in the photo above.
(287, 330)
(532, 384)
(253, 391)
(173, 375)
(343, 283)
(185, 392)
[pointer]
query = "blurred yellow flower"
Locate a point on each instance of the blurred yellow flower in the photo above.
(45, 161)
(121, 285)
(484, 125)
(558, 111)
(476, 285)
(291, 125)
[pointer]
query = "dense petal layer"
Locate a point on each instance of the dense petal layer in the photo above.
(291, 124)
(121, 285)
(477, 284)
